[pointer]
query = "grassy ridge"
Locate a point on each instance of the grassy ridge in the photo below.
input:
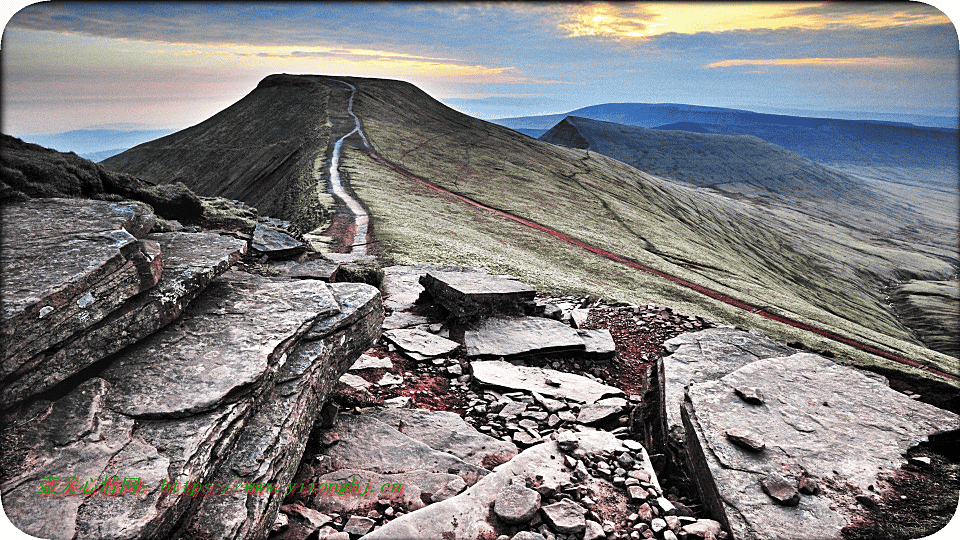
(813, 270)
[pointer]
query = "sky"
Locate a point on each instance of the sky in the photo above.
(170, 65)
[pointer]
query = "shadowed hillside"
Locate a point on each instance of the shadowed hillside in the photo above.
(824, 140)
(262, 150)
(744, 165)
(799, 266)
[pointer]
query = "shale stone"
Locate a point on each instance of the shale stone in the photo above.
(506, 337)
(225, 341)
(569, 386)
(61, 276)
(190, 262)
(467, 294)
(803, 437)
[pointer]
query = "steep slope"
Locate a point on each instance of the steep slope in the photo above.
(263, 150)
(442, 187)
(744, 165)
(732, 163)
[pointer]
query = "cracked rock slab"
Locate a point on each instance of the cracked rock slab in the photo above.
(447, 432)
(819, 419)
(60, 276)
(707, 355)
(519, 336)
(221, 347)
(564, 385)
(190, 262)
(370, 444)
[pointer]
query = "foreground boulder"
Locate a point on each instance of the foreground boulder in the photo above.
(62, 276)
(829, 433)
(190, 262)
(196, 430)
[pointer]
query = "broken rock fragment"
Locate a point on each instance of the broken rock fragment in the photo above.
(467, 294)
(565, 517)
(781, 489)
(516, 504)
(745, 439)
(420, 344)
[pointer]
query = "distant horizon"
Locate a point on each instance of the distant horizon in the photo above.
(72, 65)
(781, 111)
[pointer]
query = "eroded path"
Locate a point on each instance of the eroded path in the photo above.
(360, 217)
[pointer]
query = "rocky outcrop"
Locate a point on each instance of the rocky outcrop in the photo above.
(62, 276)
(200, 414)
(816, 442)
(145, 396)
(190, 262)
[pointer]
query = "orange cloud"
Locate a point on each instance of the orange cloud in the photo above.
(639, 21)
(878, 62)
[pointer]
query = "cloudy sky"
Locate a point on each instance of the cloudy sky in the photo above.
(170, 65)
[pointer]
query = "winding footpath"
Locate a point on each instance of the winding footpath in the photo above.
(360, 216)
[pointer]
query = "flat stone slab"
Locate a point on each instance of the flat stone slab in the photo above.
(533, 379)
(61, 276)
(370, 444)
(599, 344)
(322, 269)
(518, 336)
(819, 419)
(275, 244)
(190, 262)
(469, 294)
(371, 362)
(447, 432)
(422, 343)
(708, 355)
(224, 343)
(468, 516)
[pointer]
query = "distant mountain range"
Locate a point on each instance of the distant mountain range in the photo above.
(96, 144)
(825, 140)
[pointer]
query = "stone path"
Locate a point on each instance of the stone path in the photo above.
(360, 217)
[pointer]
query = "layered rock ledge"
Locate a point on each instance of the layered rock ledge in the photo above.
(827, 432)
